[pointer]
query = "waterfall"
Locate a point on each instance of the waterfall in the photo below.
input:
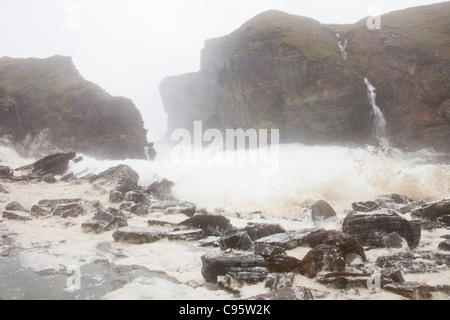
(380, 121)
(343, 45)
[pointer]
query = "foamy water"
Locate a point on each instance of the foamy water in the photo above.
(338, 175)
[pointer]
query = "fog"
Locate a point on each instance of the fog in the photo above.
(128, 47)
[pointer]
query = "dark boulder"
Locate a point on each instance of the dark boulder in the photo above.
(261, 230)
(18, 206)
(138, 235)
(121, 178)
(322, 210)
(444, 245)
(244, 268)
(418, 262)
(136, 197)
(51, 203)
(68, 210)
(49, 178)
(39, 211)
(288, 240)
(278, 281)
(393, 240)
(238, 241)
(412, 290)
(16, 215)
(347, 280)
(444, 220)
(161, 190)
(283, 263)
(433, 211)
(347, 244)
(322, 258)
(267, 250)
(56, 164)
(103, 221)
(5, 172)
(212, 225)
(370, 228)
(115, 196)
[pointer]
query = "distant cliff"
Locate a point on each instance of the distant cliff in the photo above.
(46, 106)
(288, 72)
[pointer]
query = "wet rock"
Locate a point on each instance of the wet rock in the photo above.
(93, 206)
(419, 262)
(393, 240)
(346, 243)
(140, 209)
(261, 230)
(229, 284)
(17, 215)
(5, 172)
(412, 290)
(433, 211)
(49, 178)
(238, 241)
(410, 207)
(103, 221)
(394, 274)
(277, 281)
(97, 190)
(444, 288)
(38, 211)
(370, 228)
(115, 196)
(160, 223)
(267, 250)
(391, 199)
(18, 206)
(367, 206)
(163, 205)
(288, 240)
(283, 263)
(322, 210)
(322, 258)
(56, 164)
(138, 235)
(50, 203)
(354, 260)
(287, 294)
(68, 210)
(212, 225)
(209, 242)
(136, 197)
(126, 206)
(68, 177)
(161, 190)
(186, 235)
(4, 189)
(445, 220)
(347, 280)
(186, 208)
(121, 178)
(244, 268)
(444, 245)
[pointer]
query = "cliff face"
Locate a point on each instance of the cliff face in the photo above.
(287, 72)
(46, 106)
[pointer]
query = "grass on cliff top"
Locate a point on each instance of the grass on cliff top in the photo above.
(309, 35)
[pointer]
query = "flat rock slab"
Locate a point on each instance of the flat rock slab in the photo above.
(412, 290)
(287, 294)
(241, 267)
(138, 235)
(420, 262)
(104, 221)
(187, 235)
(17, 215)
(288, 240)
(54, 202)
(68, 210)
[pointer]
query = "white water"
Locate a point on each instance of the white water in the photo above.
(380, 121)
(343, 45)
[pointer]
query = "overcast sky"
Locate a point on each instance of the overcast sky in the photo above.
(128, 47)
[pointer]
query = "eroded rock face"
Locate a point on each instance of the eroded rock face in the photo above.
(286, 72)
(74, 114)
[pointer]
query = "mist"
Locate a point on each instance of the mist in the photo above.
(128, 47)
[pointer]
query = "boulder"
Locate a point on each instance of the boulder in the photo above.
(140, 209)
(5, 172)
(161, 190)
(322, 258)
(138, 235)
(283, 263)
(49, 178)
(17, 215)
(136, 197)
(121, 178)
(244, 268)
(50, 203)
(103, 221)
(4, 189)
(444, 245)
(238, 241)
(286, 294)
(433, 211)
(39, 211)
(393, 240)
(288, 240)
(444, 220)
(346, 243)
(115, 196)
(370, 228)
(267, 250)
(347, 280)
(212, 225)
(18, 206)
(322, 210)
(56, 164)
(418, 262)
(68, 210)
(412, 290)
(277, 281)
(185, 235)
(261, 230)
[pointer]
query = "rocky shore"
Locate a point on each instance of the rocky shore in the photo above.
(123, 240)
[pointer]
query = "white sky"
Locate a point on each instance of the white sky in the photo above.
(128, 47)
